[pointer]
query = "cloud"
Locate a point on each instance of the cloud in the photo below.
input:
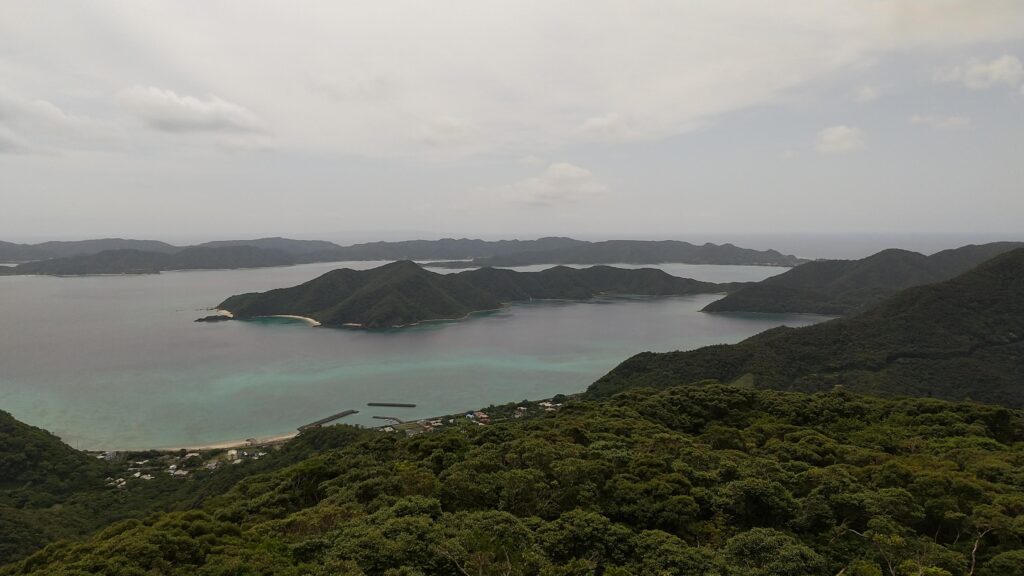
(839, 139)
(166, 111)
(47, 124)
(560, 183)
(608, 128)
(447, 131)
(865, 94)
(978, 75)
(942, 122)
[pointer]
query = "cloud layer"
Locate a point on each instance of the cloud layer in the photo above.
(606, 117)
(166, 111)
(561, 183)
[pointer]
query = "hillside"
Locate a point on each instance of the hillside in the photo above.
(403, 293)
(140, 262)
(37, 472)
(842, 286)
(636, 252)
(49, 491)
(962, 338)
(695, 480)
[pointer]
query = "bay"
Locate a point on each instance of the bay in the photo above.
(116, 362)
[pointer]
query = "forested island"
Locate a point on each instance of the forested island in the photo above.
(403, 293)
(119, 256)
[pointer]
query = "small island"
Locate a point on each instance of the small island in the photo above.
(403, 293)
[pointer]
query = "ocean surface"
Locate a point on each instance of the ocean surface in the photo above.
(116, 362)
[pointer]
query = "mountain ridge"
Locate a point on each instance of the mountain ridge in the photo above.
(836, 287)
(68, 256)
(956, 339)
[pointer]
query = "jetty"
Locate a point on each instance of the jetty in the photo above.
(391, 404)
(328, 420)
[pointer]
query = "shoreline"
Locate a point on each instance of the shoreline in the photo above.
(225, 445)
(306, 319)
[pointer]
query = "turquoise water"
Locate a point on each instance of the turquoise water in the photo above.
(117, 361)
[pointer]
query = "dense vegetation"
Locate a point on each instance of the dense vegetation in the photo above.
(838, 287)
(49, 491)
(702, 479)
(963, 338)
(635, 252)
(403, 293)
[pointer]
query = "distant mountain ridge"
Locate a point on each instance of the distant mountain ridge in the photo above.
(957, 339)
(11, 252)
(839, 287)
(71, 258)
(404, 293)
(637, 252)
(140, 262)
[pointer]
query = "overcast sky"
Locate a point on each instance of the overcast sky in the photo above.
(326, 119)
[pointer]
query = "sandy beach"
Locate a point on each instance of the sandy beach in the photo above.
(235, 443)
(305, 319)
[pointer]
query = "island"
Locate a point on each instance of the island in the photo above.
(403, 293)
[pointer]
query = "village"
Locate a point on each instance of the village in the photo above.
(149, 465)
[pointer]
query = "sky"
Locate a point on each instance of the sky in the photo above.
(341, 120)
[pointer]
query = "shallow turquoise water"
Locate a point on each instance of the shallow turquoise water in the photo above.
(116, 361)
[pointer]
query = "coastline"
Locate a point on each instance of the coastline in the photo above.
(227, 444)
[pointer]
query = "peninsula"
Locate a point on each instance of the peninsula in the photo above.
(403, 293)
(837, 287)
(959, 339)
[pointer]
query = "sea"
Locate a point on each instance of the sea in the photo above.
(116, 362)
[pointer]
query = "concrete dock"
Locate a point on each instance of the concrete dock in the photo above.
(329, 419)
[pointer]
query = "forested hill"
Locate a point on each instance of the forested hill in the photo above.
(38, 472)
(403, 293)
(842, 286)
(703, 480)
(37, 468)
(636, 252)
(142, 262)
(962, 338)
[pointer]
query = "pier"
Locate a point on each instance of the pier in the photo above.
(391, 404)
(327, 420)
